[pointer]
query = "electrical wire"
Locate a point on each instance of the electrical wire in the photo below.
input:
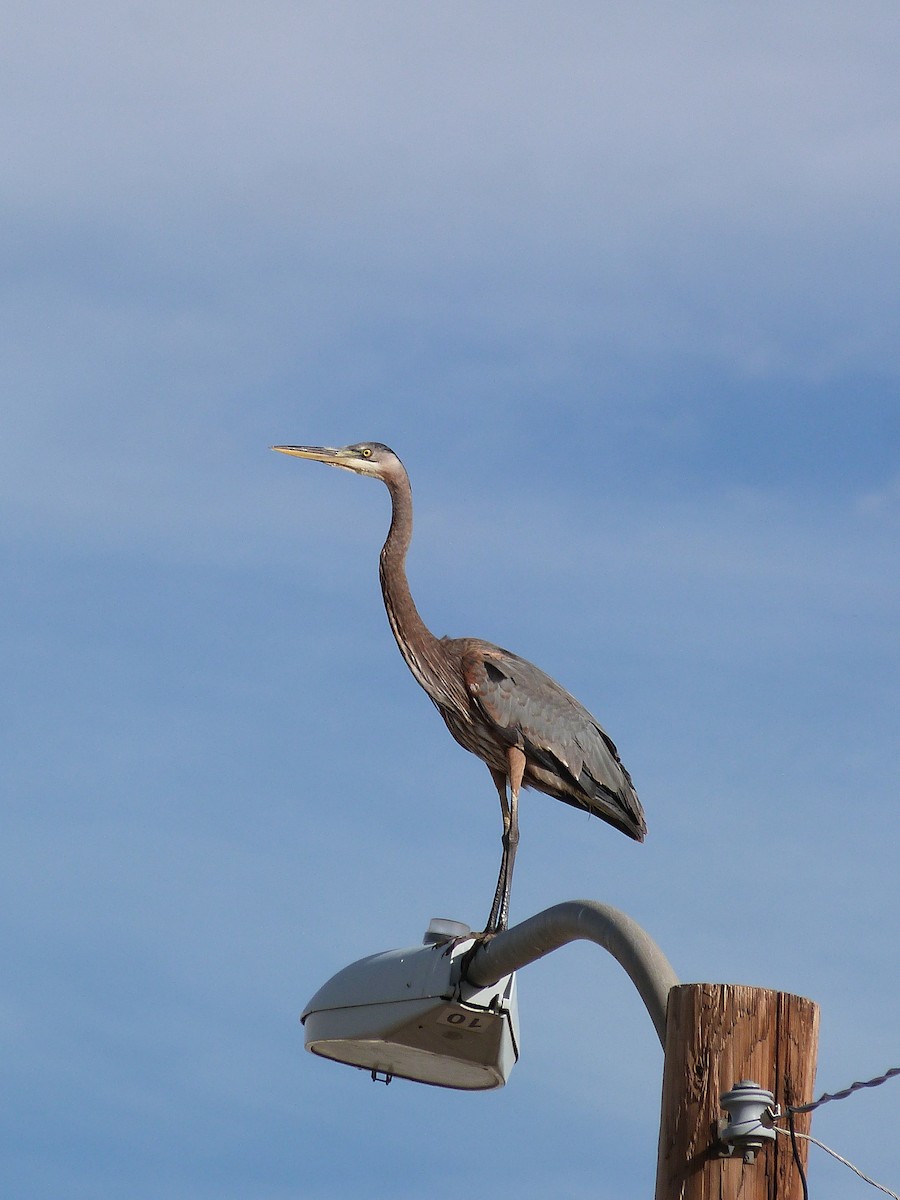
(795, 1150)
(854, 1087)
(791, 1110)
(794, 1134)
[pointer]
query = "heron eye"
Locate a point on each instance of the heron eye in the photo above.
(367, 453)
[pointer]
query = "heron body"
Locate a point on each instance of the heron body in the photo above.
(526, 728)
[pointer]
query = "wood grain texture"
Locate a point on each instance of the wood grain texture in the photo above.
(717, 1035)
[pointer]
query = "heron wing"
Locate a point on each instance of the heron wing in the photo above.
(569, 753)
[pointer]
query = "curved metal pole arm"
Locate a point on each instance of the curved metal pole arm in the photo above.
(648, 968)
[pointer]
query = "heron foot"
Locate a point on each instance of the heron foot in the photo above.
(485, 936)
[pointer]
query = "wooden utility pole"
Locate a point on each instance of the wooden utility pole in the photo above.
(716, 1036)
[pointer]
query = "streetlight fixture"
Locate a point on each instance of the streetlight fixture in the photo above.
(412, 1013)
(445, 1012)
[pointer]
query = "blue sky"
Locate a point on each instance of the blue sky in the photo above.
(619, 284)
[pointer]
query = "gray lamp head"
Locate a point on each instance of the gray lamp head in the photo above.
(408, 1013)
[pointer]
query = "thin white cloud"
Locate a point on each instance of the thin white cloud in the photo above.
(882, 504)
(725, 161)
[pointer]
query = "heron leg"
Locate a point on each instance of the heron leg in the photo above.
(499, 778)
(515, 758)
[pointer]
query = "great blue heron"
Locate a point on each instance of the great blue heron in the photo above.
(527, 729)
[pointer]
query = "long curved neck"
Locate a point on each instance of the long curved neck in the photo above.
(418, 645)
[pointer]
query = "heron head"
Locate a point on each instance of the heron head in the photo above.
(365, 458)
